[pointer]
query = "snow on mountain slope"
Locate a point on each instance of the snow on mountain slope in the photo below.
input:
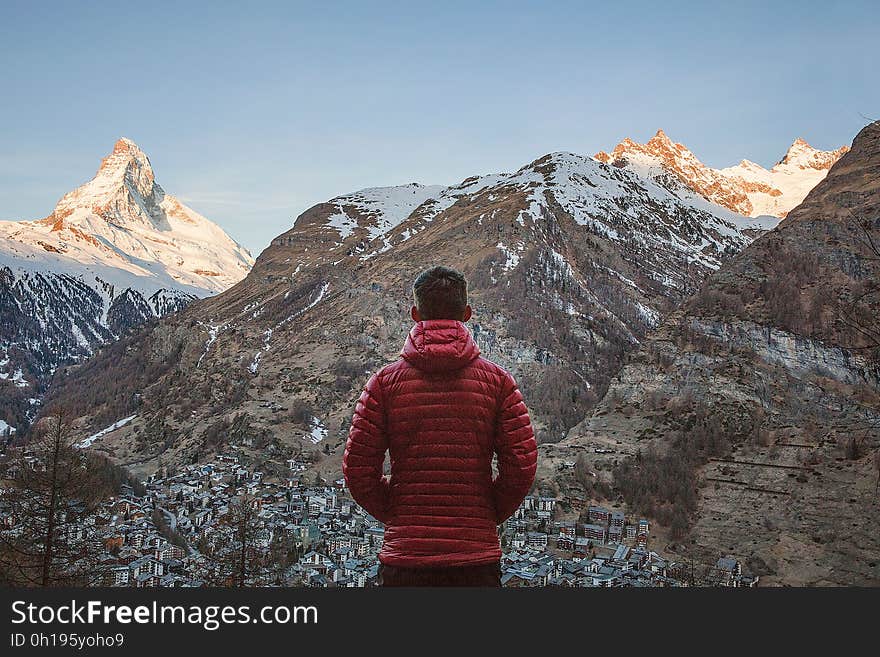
(373, 221)
(618, 204)
(384, 207)
(747, 188)
(795, 175)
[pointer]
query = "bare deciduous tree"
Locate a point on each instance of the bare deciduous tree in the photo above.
(237, 558)
(51, 489)
(857, 312)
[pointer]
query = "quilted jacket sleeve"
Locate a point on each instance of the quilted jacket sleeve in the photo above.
(517, 452)
(365, 450)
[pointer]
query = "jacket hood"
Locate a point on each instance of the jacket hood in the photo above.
(436, 345)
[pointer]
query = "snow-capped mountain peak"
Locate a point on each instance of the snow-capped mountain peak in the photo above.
(123, 228)
(609, 201)
(747, 188)
(123, 191)
(659, 147)
(114, 253)
(803, 156)
(125, 159)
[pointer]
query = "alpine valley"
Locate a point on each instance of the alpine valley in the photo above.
(583, 272)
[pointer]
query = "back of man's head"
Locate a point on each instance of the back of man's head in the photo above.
(441, 293)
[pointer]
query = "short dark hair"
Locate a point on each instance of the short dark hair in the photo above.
(440, 293)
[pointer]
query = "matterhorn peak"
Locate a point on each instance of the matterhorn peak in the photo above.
(116, 252)
(123, 221)
(125, 148)
(126, 145)
(126, 157)
(124, 190)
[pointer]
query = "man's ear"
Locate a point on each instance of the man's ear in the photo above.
(467, 313)
(414, 313)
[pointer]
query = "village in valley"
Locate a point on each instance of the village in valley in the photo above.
(222, 523)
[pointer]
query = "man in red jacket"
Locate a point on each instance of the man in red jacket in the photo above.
(442, 411)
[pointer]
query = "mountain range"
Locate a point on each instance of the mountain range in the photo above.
(681, 350)
(572, 262)
(747, 188)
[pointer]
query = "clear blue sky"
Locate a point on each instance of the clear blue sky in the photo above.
(252, 112)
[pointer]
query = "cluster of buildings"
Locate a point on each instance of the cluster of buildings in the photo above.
(315, 535)
(602, 527)
(299, 534)
(603, 551)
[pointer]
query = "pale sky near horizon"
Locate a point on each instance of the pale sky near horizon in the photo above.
(253, 113)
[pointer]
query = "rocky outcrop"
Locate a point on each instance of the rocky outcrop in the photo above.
(795, 353)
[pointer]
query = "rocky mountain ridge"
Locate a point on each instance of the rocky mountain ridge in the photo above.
(746, 188)
(577, 268)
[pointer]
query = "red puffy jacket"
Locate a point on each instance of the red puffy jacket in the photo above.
(442, 411)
